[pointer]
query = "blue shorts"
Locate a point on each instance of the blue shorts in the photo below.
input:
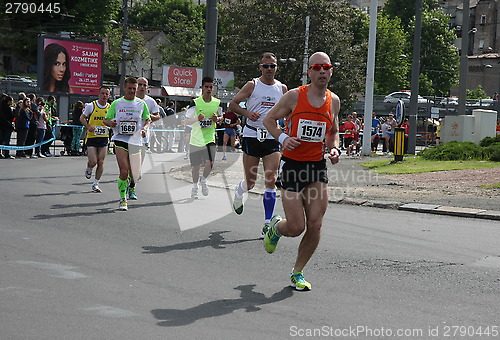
(230, 132)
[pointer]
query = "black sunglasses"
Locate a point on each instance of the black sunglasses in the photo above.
(268, 65)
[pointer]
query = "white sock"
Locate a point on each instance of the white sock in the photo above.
(195, 185)
(203, 179)
(96, 182)
(241, 189)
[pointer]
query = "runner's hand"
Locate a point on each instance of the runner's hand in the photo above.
(291, 143)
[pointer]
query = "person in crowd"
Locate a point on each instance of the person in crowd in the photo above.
(78, 129)
(375, 137)
(231, 122)
(157, 133)
(170, 124)
(23, 121)
(52, 119)
(185, 134)
(41, 125)
(56, 69)
(31, 138)
(6, 124)
(357, 133)
(349, 134)
(388, 132)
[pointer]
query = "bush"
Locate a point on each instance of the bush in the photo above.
(487, 141)
(492, 152)
(453, 151)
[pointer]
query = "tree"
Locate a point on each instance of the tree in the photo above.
(181, 21)
(439, 60)
(392, 67)
(249, 28)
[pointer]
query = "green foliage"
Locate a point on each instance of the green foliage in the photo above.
(247, 28)
(477, 93)
(183, 23)
(439, 60)
(487, 141)
(391, 67)
(455, 151)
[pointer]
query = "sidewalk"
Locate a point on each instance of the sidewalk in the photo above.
(350, 183)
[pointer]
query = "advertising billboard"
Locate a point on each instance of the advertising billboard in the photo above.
(70, 65)
(191, 77)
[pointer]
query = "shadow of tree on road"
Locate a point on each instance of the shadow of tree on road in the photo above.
(249, 300)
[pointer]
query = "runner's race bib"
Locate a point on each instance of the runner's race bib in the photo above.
(100, 131)
(261, 134)
(205, 123)
(227, 121)
(311, 130)
(127, 127)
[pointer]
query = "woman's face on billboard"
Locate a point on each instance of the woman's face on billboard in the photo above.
(59, 67)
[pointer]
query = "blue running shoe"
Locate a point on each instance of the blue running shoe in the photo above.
(272, 237)
(131, 194)
(298, 281)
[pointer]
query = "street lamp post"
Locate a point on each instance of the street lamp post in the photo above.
(125, 47)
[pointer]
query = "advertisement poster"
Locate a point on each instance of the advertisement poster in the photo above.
(70, 66)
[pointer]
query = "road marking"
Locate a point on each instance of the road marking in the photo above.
(111, 312)
(60, 270)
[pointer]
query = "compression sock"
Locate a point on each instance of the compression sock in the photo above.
(122, 188)
(241, 189)
(269, 202)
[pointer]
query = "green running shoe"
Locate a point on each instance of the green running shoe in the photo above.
(265, 228)
(123, 205)
(298, 281)
(272, 237)
(238, 205)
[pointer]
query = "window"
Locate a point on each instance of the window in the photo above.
(483, 20)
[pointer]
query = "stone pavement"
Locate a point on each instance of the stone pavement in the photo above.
(350, 183)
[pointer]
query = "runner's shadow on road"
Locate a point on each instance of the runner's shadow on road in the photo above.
(249, 300)
(100, 211)
(215, 240)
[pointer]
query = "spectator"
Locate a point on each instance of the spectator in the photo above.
(23, 121)
(375, 138)
(185, 134)
(170, 123)
(78, 129)
(158, 127)
(31, 138)
(6, 124)
(350, 129)
(51, 112)
(388, 132)
(231, 122)
(41, 126)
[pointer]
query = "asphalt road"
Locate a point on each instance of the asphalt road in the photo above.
(73, 267)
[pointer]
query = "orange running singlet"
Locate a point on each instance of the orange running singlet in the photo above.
(309, 124)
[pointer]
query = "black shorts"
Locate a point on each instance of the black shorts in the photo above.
(98, 142)
(130, 148)
(296, 175)
(199, 154)
(252, 147)
(348, 141)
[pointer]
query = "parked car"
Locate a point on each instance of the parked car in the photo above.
(18, 79)
(484, 102)
(452, 101)
(405, 97)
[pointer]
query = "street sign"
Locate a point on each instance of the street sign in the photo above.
(400, 115)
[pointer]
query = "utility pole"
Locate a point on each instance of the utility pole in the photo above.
(125, 47)
(370, 75)
(210, 39)
(305, 61)
(462, 85)
(415, 74)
